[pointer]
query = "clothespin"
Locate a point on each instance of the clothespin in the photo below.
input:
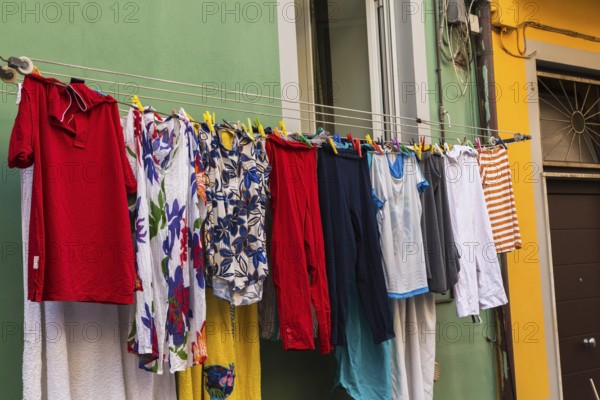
(478, 144)
(332, 145)
(417, 148)
(337, 137)
(136, 101)
(377, 147)
(358, 147)
(470, 144)
(304, 140)
(277, 133)
(369, 141)
(208, 119)
(261, 130)
(282, 126)
(248, 131)
(396, 143)
(502, 142)
(250, 127)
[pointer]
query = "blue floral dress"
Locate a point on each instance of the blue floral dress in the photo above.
(236, 195)
(170, 305)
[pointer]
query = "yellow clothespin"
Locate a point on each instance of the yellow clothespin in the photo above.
(282, 126)
(248, 131)
(194, 123)
(417, 148)
(332, 145)
(209, 121)
(261, 130)
(368, 139)
(136, 101)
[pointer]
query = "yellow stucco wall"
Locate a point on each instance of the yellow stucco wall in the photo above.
(527, 308)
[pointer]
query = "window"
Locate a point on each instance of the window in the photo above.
(339, 65)
(569, 120)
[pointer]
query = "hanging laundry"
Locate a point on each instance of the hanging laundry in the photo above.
(441, 253)
(363, 367)
(61, 337)
(80, 246)
(171, 309)
(298, 256)
(232, 370)
(352, 252)
(413, 349)
(236, 193)
(397, 184)
(499, 197)
(479, 283)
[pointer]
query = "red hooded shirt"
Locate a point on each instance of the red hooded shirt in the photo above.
(80, 244)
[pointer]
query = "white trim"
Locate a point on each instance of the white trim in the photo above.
(419, 57)
(306, 66)
(552, 293)
(543, 226)
(577, 58)
(288, 63)
(375, 80)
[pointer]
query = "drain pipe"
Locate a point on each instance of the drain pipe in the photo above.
(438, 69)
(485, 61)
(489, 119)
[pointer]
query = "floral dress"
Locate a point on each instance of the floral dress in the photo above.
(170, 308)
(236, 194)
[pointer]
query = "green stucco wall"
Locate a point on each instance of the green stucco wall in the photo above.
(466, 358)
(188, 41)
(203, 43)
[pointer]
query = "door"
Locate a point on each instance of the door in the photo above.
(574, 213)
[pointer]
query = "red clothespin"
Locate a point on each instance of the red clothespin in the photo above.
(478, 144)
(357, 147)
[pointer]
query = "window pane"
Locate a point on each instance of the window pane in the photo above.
(341, 63)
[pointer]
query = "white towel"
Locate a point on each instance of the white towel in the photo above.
(76, 351)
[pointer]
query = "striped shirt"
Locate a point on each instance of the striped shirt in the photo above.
(499, 197)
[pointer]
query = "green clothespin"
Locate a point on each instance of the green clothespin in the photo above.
(304, 140)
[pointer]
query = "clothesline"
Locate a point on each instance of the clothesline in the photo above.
(204, 87)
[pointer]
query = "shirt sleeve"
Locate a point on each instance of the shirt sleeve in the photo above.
(20, 149)
(130, 181)
(422, 183)
(377, 190)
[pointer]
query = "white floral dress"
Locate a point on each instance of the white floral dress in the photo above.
(171, 308)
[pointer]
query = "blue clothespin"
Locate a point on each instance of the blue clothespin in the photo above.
(502, 142)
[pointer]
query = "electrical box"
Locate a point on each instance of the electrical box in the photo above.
(456, 12)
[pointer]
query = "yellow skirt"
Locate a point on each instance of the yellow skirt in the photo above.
(232, 369)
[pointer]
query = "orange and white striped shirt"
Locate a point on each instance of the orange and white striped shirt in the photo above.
(499, 197)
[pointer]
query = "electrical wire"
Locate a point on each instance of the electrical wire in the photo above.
(521, 28)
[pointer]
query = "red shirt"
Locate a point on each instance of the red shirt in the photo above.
(80, 244)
